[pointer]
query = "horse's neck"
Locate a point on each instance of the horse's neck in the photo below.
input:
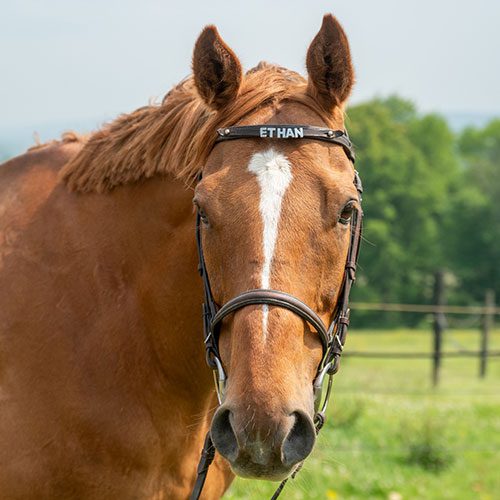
(100, 324)
(150, 243)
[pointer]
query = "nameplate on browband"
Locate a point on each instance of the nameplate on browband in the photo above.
(282, 132)
(339, 137)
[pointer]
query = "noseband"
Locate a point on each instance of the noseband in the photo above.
(332, 336)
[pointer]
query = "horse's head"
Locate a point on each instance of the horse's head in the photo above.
(275, 215)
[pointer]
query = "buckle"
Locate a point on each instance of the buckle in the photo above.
(344, 318)
(350, 267)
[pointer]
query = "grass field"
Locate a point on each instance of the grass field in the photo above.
(391, 435)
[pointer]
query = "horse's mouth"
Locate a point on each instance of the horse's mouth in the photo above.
(271, 472)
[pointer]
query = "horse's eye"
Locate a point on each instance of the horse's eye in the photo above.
(201, 213)
(203, 216)
(346, 214)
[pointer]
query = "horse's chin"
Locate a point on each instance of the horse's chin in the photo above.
(250, 470)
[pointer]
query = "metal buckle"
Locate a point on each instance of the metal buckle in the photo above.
(345, 317)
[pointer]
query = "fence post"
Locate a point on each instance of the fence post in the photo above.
(439, 325)
(487, 323)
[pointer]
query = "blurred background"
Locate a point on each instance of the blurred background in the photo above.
(416, 410)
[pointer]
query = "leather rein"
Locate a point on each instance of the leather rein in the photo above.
(332, 336)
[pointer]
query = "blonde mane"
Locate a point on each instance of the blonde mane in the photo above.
(175, 137)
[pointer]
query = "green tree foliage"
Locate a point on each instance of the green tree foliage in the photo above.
(410, 170)
(475, 227)
(432, 200)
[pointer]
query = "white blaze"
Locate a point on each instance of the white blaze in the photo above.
(274, 174)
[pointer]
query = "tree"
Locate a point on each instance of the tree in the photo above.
(476, 212)
(409, 168)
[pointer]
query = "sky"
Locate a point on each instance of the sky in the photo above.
(77, 63)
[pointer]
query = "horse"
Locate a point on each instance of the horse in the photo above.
(104, 391)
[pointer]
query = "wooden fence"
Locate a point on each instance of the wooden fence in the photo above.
(439, 309)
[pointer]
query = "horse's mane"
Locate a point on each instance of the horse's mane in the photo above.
(175, 137)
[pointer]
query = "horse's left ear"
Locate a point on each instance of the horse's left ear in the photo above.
(217, 70)
(331, 74)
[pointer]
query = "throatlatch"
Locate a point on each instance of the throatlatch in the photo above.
(332, 337)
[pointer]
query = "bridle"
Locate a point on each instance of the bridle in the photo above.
(332, 336)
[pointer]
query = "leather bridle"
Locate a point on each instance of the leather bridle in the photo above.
(332, 337)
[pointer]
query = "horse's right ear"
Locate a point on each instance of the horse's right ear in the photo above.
(217, 70)
(331, 75)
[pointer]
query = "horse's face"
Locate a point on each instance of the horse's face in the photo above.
(275, 215)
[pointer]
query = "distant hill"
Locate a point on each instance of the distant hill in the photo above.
(459, 121)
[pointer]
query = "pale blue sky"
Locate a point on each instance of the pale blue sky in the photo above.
(77, 62)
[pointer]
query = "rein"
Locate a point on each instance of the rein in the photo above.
(332, 336)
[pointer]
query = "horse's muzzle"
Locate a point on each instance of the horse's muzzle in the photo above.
(264, 449)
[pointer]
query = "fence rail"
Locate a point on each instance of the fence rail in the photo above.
(439, 309)
(425, 308)
(419, 355)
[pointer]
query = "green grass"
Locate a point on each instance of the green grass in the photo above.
(390, 435)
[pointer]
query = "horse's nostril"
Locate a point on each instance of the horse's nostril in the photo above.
(300, 440)
(223, 435)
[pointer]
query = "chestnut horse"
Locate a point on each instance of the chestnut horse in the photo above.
(104, 390)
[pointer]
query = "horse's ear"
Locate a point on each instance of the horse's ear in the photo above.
(331, 74)
(217, 70)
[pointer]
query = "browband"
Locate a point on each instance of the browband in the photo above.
(339, 137)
